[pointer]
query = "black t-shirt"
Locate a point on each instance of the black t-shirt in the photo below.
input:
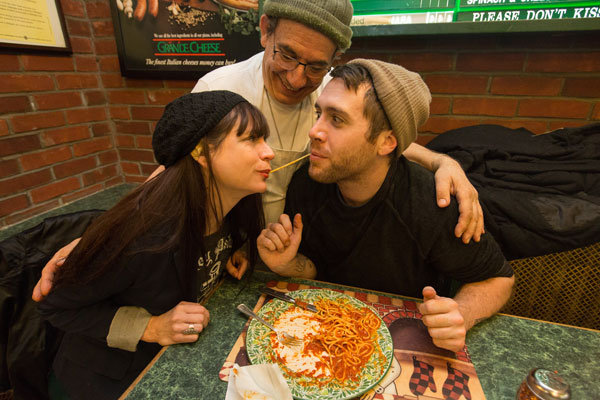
(398, 242)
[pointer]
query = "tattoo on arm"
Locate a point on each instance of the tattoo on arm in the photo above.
(304, 267)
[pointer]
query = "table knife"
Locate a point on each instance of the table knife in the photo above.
(285, 297)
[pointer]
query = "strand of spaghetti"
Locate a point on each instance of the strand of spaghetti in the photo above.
(290, 163)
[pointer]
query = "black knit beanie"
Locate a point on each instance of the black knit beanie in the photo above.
(188, 119)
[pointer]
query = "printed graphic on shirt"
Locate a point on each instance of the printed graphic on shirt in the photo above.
(212, 265)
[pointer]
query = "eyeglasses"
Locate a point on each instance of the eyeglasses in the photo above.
(289, 63)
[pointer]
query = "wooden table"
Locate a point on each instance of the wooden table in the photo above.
(503, 350)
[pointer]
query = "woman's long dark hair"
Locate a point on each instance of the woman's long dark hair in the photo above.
(177, 202)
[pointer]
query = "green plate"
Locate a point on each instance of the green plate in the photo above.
(304, 388)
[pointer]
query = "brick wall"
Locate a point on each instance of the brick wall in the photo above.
(71, 125)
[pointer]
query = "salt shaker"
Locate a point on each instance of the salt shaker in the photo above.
(543, 384)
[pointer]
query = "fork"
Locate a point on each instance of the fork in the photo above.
(285, 338)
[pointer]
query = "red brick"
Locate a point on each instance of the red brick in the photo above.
(141, 128)
(14, 104)
(471, 62)
(554, 108)
(136, 155)
(54, 189)
(25, 83)
(164, 96)
(117, 180)
(424, 139)
(135, 179)
(94, 98)
(101, 129)
(554, 125)
(457, 84)
(442, 124)
(147, 113)
(119, 112)
(81, 45)
(78, 28)
(126, 97)
(43, 158)
(32, 122)
(91, 146)
(143, 83)
(76, 81)
(99, 175)
(108, 157)
(143, 142)
(64, 135)
(8, 168)
(530, 125)
(73, 8)
(97, 9)
(52, 101)
(125, 141)
(526, 85)
(440, 105)
(596, 113)
(484, 106)
(9, 62)
(420, 62)
(23, 182)
(30, 212)
(130, 168)
(47, 63)
(109, 64)
(188, 85)
(582, 87)
(81, 193)
(3, 128)
(13, 204)
(148, 169)
(74, 167)
(112, 80)
(564, 62)
(86, 64)
(103, 28)
(87, 114)
(105, 46)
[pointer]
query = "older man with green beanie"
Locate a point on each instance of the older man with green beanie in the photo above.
(360, 214)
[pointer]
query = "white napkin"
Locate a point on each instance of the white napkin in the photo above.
(257, 382)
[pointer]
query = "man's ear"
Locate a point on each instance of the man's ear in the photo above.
(386, 142)
(264, 23)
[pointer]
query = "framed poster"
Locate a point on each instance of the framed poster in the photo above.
(33, 24)
(183, 39)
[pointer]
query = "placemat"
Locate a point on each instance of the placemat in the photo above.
(419, 367)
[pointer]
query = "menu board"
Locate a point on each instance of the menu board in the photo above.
(514, 14)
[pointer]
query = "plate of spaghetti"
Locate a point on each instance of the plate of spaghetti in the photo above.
(346, 347)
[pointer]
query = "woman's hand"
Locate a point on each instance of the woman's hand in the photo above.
(42, 288)
(237, 264)
(169, 328)
(278, 243)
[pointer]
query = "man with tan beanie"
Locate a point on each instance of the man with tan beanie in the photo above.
(364, 216)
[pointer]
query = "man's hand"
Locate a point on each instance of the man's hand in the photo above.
(168, 328)
(443, 319)
(450, 179)
(237, 264)
(42, 288)
(278, 243)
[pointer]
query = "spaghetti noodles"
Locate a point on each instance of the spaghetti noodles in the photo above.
(338, 341)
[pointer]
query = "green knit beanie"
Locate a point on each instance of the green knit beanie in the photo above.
(329, 17)
(404, 96)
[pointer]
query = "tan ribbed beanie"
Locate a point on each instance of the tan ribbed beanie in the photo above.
(404, 96)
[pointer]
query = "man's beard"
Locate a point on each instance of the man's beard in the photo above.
(344, 167)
